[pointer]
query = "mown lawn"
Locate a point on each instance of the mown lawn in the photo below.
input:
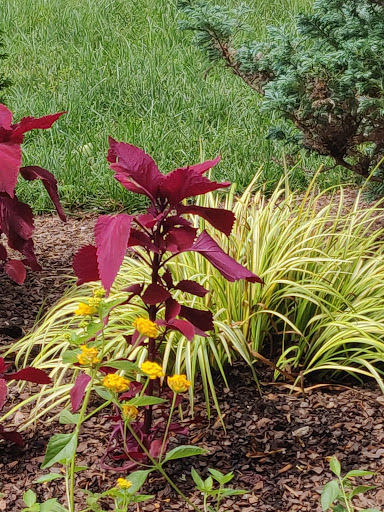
(122, 68)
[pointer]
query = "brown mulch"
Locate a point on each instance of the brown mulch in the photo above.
(56, 242)
(276, 445)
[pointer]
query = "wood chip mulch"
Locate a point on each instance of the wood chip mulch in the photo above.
(277, 445)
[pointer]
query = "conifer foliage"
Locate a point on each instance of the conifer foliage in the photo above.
(325, 79)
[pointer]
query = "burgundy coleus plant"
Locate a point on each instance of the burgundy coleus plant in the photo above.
(16, 218)
(27, 374)
(163, 232)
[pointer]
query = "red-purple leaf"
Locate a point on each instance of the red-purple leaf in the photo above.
(16, 221)
(142, 239)
(78, 390)
(15, 269)
(183, 326)
(227, 266)
(180, 239)
(154, 294)
(155, 447)
(33, 123)
(134, 168)
(199, 318)
(219, 218)
(85, 265)
(30, 375)
(11, 435)
(172, 309)
(5, 117)
(167, 278)
(191, 287)
(3, 253)
(183, 183)
(203, 166)
(3, 392)
(112, 235)
(135, 289)
(34, 172)
(10, 158)
(3, 366)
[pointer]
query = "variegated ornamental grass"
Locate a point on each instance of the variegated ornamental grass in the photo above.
(321, 304)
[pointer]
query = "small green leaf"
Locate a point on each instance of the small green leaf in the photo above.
(371, 510)
(29, 498)
(208, 484)
(48, 478)
(67, 418)
(358, 472)
(80, 468)
(220, 477)
(233, 492)
(52, 505)
(361, 489)
(127, 366)
(197, 479)
(184, 451)
(146, 400)
(335, 466)
(70, 356)
(104, 393)
(61, 448)
(330, 493)
(141, 497)
(137, 478)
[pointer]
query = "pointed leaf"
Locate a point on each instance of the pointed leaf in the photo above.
(11, 435)
(220, 219)
(67, 418)
(154, 294)
(61, 448)
(137, 478)
(78, 390)
(191, 287)
(10, 157)
(111, 234)
(30, 375)
(50, 183)
(85, 265)
(172, 309)
(335, 466)
(142, 401)
(227, 266)
(199, 318)
(34, 123)
(182, 183)
(180, 452)
(203, 167)
(15, 269)
(29, 498)
(48, 478)
(330, 493)
(135, 170)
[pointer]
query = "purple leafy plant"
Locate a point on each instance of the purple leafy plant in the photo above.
(16, 218)
(27, 374)
(162, 233)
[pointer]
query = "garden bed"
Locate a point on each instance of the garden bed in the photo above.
(277, 445)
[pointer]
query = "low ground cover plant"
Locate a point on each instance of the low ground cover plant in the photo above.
(324, 80)
(16, 218)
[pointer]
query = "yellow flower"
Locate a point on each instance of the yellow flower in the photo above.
(88, 356)
(116, 383)
(94, 302)
(178, 383)
(99, 293)
(145, 327)
(123, 483)
(85, 309)
(130, 412)
(153, 370)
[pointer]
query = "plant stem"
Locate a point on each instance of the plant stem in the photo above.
(167, 427)
(158, 467)
(71, 503)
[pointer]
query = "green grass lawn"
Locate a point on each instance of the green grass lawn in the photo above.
(122, 68)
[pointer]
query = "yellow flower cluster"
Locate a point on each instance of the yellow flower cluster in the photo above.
(94, 302)
(130, 412)
(145, 327)
(123, 483)
(85, 310)
(153, 370)
(99, 293)
(178, 383)
(88, 356)
(116, 383)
